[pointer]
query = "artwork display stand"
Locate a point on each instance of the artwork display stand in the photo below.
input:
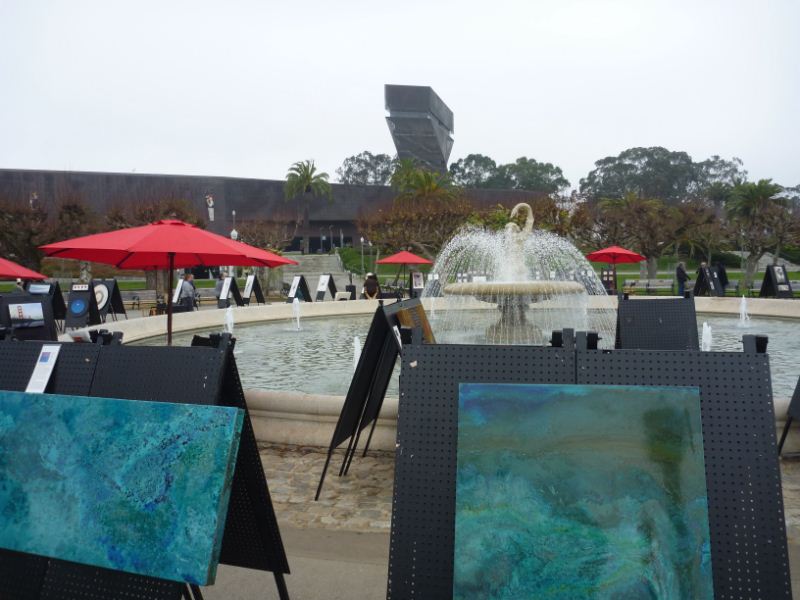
(82, 308)
(23, 329)
(209, 376)
(229, 288)
(708, 283)
(299, 289)
(53, 291)
(252, 288)
(791, 414)
(745, 504)
(325, 284)
(657, 324)
(776, 283)
(108, 298)
(367, 390)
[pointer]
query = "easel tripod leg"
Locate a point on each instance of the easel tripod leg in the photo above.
(784, 434)
(280, 582)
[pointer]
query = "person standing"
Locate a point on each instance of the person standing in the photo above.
(19, 287)
(218, 287)
(682, 276)
(186, 297)
(723, 275)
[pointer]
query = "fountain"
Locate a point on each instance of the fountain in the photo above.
(229, 320)
(744, 318)
(296, 312)
(356, 352)
(524, 272)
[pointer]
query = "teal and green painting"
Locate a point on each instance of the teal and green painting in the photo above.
(134, 486)
(570, 492)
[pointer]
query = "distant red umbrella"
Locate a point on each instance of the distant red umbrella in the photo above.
(403, 258)
(11, 270)
(615, 255)
(166, 244)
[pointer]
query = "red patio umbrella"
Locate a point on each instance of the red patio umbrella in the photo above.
(11, 270)
(167, 244)
(403, 258)
(614, 255)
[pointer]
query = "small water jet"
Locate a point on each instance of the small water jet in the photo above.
(296, 312)
(538, 281)
(744, 318)
(705, 343)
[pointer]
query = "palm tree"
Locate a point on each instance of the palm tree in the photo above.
(422, 184)
(304, 181)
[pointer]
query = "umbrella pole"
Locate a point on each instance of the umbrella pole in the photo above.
(169, 298)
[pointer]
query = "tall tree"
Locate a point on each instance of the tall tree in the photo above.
(23, 228)
(366, 169)
(476, 171)
(655, 173)
(751, 211)
(532, 175)
(305, 182)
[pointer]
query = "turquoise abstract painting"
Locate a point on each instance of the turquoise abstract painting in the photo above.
(570, 492)
(134, 486)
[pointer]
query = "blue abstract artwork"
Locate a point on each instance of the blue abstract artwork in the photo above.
(134, 486)
(569, 492)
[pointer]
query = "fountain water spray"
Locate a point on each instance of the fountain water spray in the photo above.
(744, 318)
(539, 282)
(229, 320)
(356, 352)
(705, 343)
(296, 312)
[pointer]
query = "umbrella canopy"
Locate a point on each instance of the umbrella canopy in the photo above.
(11, 270)
(615, 255)
(167, 244)
(403, 258)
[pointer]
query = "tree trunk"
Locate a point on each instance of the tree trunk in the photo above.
(708, 254)
(750, 268)
(306, 226)
(85, 272)
(652, 267)
(778, 247)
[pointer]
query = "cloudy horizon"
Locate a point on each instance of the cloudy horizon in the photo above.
(247, 88)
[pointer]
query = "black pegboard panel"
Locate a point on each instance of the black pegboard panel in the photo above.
(252, 538)
(423, 506)
(748, 535)
(167, 374)
(17, 360)
(70, 581)
(21, 575)
(657, 324)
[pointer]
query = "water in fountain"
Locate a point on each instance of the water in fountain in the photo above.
(539, 282)
(296, 312)
(229, 320)
(356, 352)
(705, 343)
(744, 318)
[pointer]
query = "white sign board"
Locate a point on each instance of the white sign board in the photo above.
(398, 336)
(177, 293)
(417, 282)
(295, 283)
(226, 288)
(248, 286)
(322, 286)
(43, 369)
(39, 288)
(80, 287)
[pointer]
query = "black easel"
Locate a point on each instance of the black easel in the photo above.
(111, 297)
(53, 291)
(776, 283)
(232, 290)
(708, 283)
(15, 312)
(299, 289)
(791, 414)
(252, 288)
(325, 283)
(657, 323)
(251, 538)
(367, 390)
(82, 307)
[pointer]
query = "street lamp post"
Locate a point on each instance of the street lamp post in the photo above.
(234, 237)
(362, 255)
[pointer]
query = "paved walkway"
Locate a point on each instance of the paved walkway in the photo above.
(338, 547)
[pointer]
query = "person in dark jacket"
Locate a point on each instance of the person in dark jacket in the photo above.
(723, 275)
(682, 276)
(371, 289)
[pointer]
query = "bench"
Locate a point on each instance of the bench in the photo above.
(141, 299)
(648, 286)
(632, 286)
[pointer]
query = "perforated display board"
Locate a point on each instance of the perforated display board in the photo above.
(657, 324)
(748, 536)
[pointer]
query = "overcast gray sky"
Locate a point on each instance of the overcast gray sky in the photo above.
(246, 88)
